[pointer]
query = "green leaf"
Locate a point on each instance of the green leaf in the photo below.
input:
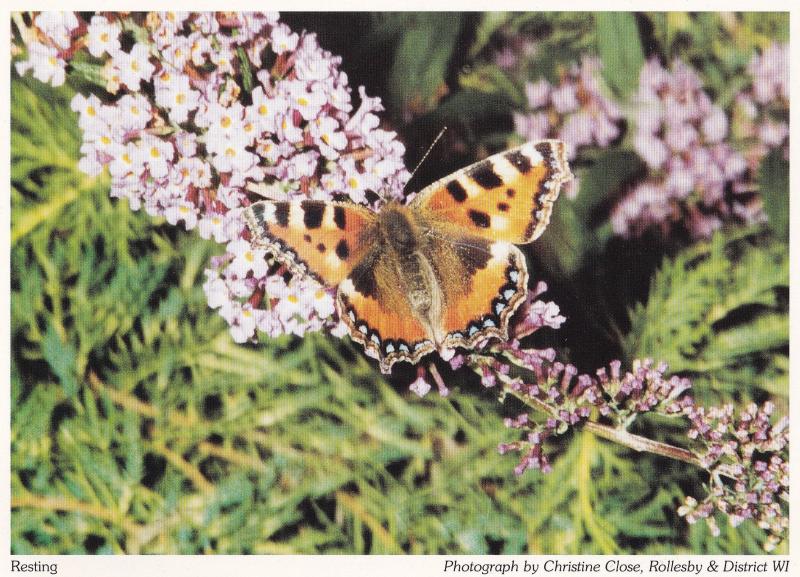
(468, 105)
(89, 72)
(716, 313)
(604, 179)
(773, 183)
(489, 78)
(247, 74)
(490, 23)
(61, 357)
(421, 60)
(575, 232)
(620, 50)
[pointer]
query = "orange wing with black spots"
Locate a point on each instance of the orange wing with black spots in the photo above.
(324, 240)
(507, 197)
(388, 333)
(484, 306)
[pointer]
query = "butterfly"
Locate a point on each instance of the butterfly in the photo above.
(438, 273)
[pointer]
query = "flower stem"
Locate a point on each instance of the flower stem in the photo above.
(638, 443)
(618, 435)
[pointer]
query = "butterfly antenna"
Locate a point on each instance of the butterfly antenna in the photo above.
(430, 148)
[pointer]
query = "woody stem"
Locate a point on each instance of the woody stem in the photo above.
(617, 435)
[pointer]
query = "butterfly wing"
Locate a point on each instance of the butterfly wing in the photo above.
(378, 314)
(507, 197)
(482, 282)
(321, 239)
(494, 294)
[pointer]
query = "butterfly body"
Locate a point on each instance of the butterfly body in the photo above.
(439, 273)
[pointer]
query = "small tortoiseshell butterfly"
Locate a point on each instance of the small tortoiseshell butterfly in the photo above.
(439, 273)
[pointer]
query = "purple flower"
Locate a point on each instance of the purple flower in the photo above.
(538, 93)
(750, 452)
(420, 387)
(680, 135)
(770, 72)
(575, 111)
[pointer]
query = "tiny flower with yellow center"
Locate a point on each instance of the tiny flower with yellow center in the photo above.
(157, 155)
(182, 211)
(174, 92)
(47, 66)
(323, 303)
(133, 67)
(308, 104)
(283, 39)
(126, 161)
(246, 259)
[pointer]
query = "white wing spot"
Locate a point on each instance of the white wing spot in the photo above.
(332, 260)
(534, 155)
(269, 212)
(499, 222)
(500, 250)
(504, 169)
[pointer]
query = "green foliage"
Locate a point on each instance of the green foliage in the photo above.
(561, 39)
(773, 181)
(620, 50)
(490, 24)
(718, 312)
(421, 57)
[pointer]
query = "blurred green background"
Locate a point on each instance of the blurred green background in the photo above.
(138, 426)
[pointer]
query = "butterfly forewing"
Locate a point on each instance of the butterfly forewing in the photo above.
(324, 240)
(506, 197)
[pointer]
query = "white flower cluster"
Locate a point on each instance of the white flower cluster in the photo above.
(204, 108)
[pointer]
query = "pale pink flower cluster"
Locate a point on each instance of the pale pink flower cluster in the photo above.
(237, 106)
(696, 180)
(575, 111)
(48, 44)
(762, 110)
(751, 454)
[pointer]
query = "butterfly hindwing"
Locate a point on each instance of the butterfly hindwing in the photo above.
(480, 295)
(378, 315)
(324, 240)
(507, 197)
